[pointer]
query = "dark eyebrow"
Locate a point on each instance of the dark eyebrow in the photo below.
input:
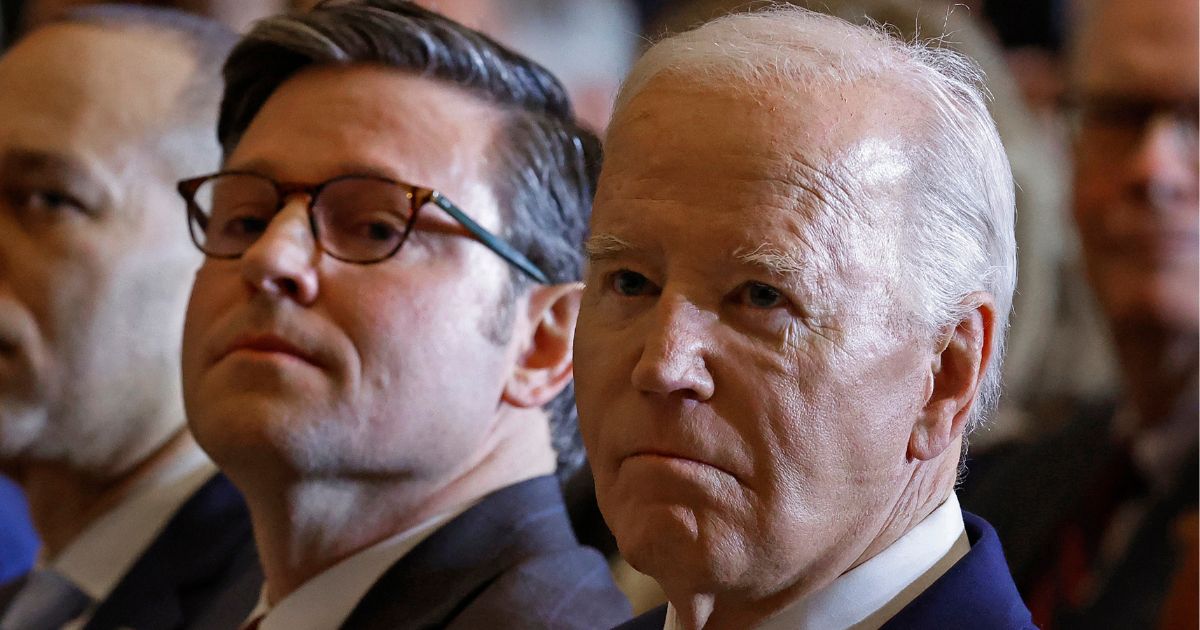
(271, 169)
(35, 163)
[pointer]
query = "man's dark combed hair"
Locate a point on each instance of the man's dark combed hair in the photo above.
(548, 166)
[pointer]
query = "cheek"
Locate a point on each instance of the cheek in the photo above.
(213, 290)
(598, 369)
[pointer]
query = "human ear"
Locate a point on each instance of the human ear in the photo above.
(544, 365)
(958, 367)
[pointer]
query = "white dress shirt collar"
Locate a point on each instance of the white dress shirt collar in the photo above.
(874, 591)
(103, 553)
(327, 599)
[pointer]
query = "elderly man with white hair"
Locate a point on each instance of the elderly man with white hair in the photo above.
(801, 268)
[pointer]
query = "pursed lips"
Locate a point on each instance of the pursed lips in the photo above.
(267, 343)
(653, 453)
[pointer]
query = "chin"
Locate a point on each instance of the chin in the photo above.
(678, 547)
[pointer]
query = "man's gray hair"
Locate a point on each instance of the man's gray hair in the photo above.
(958, 237)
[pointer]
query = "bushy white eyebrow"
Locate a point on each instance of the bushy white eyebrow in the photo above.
(771, 259)
(604, 246)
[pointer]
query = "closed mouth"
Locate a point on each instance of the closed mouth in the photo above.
(267, 344)
(666, 455)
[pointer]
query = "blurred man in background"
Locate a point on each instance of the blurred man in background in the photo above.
(1089, 514)
(99, 115)
(236, 14)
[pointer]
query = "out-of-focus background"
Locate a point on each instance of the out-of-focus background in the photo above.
(1057, 349)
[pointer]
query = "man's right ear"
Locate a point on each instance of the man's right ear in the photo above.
(958, 368)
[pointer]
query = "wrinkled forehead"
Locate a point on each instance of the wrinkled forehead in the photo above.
(835, 156)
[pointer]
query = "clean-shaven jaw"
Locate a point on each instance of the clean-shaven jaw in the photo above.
(761, 408)
(350, 402)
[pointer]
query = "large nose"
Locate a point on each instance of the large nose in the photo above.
(673, 358)
(1163, 167)
(282, 263)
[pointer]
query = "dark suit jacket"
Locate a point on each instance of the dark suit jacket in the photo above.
(189, 569)
(1030, 492)
(977, 593)
(511, 561)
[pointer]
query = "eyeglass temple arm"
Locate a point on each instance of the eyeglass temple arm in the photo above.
(493, 242)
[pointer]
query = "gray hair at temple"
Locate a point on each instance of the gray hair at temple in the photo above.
(185, 138)
(959, 238)
(547, 166)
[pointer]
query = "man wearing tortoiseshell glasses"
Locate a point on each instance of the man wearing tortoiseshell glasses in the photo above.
(378, 346)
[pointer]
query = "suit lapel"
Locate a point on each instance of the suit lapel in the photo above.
(976, 592)
(440, 577)
(184, 566)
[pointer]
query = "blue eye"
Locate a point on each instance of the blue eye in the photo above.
(630, 283)
(760, 295)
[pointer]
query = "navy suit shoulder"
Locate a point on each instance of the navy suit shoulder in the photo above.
(977, 592)
(510, 561)
(205, 549)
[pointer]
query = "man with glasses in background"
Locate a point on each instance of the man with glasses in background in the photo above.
(1095, 515)
(100, 114)
(378, 347)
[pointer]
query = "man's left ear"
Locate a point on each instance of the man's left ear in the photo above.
(958, 366)
(544, 365)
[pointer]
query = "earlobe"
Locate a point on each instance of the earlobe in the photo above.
(957, 368)
(544, 366)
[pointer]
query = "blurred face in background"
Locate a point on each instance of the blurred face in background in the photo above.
(95, 263)
(236, 14)
(1136, 159)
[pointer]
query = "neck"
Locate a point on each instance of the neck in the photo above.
(926, 486)
(1158, 368)
(64, 500)
(304, 526)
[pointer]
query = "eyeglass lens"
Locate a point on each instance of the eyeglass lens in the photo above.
(356, 219)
